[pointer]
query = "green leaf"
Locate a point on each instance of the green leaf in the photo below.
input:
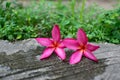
(19, 36)
(8, 4)
(10, 37)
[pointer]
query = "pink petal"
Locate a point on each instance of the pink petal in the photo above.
(46, 53)
(60, 52)
(81, 37)
(44, 41)
(56, 33)
(71, 43)
(76, 57)
(61, 44)
(90, 55)
(92, 47)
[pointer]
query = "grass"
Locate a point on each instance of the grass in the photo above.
(37, 20)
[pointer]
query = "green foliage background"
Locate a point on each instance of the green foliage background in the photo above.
(18, 22)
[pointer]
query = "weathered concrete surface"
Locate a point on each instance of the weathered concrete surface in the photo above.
(20, 61)
(10, 48)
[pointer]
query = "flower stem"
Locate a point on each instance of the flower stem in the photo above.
(73, 3)
(82, 10)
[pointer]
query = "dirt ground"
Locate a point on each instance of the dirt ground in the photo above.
(107, 4)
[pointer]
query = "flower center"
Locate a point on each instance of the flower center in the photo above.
(55, 44)
(82, 48)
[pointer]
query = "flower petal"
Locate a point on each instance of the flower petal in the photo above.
(76, 57)
(61, 44)
(81, 37)
(92, 47)
(71, 43)
(60, 52)
(44, 41)
(90, 55)
(56, 33)
(46, 53)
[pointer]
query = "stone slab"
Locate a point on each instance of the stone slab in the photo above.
(20, 61)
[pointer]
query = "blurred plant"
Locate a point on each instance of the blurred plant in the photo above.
(14, 25)
(99, 24)
(82, 10)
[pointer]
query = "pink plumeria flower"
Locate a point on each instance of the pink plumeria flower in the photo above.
(81, 47)
(53, 45)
